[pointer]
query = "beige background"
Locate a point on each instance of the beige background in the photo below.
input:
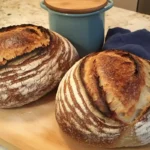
(144, 6)
(127, 4)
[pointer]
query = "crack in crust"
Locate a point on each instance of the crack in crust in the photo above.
(115, 74)
(91, 81)
(21, 39)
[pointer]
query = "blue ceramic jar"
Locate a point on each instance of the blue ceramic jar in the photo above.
(85, 31)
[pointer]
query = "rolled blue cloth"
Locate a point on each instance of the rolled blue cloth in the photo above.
(137, 42)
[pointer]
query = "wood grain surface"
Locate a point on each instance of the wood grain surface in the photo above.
(33, 127)
(75, 6)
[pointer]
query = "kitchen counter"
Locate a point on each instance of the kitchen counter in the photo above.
(28, 11)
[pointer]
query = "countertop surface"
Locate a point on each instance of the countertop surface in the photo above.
(14, 12)
(28, 11)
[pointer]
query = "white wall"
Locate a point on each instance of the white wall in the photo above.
(127, 4)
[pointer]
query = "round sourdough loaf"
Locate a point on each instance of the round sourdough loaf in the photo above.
(104, 99)
(33, 60)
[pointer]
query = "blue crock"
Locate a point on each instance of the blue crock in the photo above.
(85, 31)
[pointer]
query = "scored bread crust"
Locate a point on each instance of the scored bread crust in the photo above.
(33, 60)
(18, 40)
(104, 99)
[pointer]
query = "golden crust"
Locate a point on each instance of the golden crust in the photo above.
(18, 40)
(114, 81)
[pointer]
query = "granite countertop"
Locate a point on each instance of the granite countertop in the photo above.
(29, 11)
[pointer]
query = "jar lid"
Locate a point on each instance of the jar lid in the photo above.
(75, 6)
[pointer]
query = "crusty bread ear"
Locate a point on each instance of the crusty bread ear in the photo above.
(105, 98)
(33, 60)
(18, 40)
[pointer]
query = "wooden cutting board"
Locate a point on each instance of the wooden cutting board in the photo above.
(33, 127)
(75, 6)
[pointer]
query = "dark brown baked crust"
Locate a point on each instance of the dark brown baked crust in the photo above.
(21, 39)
